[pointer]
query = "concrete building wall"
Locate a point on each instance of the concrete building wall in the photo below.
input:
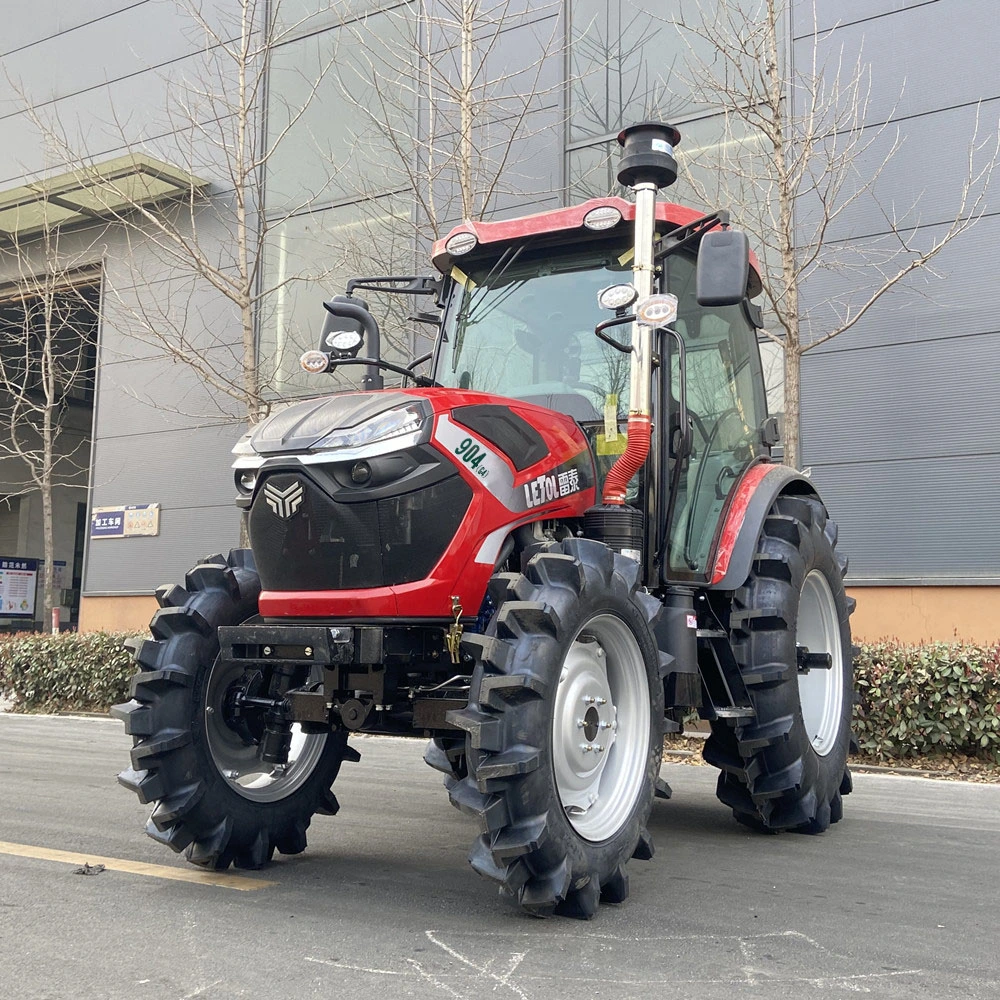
(100, 77)
(895, 413)
(899, 412)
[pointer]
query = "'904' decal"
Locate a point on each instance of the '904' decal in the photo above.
(497, 477)
(473, 455)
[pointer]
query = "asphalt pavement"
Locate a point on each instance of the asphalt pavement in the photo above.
(898, 900)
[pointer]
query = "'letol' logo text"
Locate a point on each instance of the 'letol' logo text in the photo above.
(545, 489)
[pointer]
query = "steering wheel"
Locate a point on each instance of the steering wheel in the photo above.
(589, 386)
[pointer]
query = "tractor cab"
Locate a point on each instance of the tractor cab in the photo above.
(521, 303)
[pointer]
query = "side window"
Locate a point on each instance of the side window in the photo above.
(726, 407)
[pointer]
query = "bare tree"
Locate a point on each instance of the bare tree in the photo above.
(214, 233)
(795, 151)
(453, 118)
(48, 343)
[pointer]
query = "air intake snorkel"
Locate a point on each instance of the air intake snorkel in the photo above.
(647, 164)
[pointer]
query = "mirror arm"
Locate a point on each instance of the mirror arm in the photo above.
(417, 284)
(422, 380)
(611, 342)
(684, 235)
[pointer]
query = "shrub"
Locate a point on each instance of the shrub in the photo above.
(940, 697)
(912, 700)
(66, 672)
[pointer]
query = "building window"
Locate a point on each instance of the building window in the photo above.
(337, 194)
(57, 327)
(309, 258)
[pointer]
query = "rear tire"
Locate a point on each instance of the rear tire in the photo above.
(568, 662)
(211, 797)
(787, 768)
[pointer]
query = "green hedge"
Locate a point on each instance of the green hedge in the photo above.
(65, 673)
(925, 700)
(912, 700)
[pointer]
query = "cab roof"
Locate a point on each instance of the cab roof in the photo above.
(565, 219)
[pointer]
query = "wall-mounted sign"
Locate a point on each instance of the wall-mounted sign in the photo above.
(18, 583)
(133, 521)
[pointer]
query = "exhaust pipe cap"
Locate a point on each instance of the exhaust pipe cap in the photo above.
(648, 156)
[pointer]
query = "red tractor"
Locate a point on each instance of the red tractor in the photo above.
(543, 555)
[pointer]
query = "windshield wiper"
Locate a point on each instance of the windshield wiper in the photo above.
(496, 272)
(476, 297)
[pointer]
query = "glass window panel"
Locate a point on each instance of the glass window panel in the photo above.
(726, 405)
(333, 100)
(310, 258)
(719, 166)
(293, 17)
(630, 61)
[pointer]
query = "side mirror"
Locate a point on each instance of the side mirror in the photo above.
(347, 326)
(347, 322)
(723, 268)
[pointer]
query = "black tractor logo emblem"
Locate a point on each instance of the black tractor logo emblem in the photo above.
(284, 502)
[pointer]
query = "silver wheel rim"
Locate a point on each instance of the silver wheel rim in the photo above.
(821, 691)
(238, 762)
(600, 728)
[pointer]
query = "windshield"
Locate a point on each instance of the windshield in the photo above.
(522, 325)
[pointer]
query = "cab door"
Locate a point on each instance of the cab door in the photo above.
(727, 408)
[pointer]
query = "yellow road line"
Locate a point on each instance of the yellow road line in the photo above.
(136, 867)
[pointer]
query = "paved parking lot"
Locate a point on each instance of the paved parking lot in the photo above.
(899, 900)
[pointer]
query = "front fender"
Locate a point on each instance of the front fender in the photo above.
(752, 498)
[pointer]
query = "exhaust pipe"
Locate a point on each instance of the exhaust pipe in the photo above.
(647, 164)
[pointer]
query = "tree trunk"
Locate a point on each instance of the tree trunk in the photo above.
(790, 437)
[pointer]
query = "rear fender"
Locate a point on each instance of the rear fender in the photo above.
(753, 496)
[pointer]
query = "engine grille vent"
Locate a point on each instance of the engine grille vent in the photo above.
(326, 545)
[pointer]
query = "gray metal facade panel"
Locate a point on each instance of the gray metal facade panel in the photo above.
(922, 58)
(134, 318)
(137, 257)
(161, 393)
(514, 15)
(137, 104)
(921, 520)
(31, 23)
(532, 177)
(93, 54)
(138, 565)
(831, 13)
(920, 184)
(183, 468)
(185, 471)
(907, 401)
(960, 297)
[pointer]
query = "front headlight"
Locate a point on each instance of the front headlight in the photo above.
(403, 421)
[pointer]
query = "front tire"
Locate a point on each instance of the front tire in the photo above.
(564, 724)
(787, 768)
(211, 796)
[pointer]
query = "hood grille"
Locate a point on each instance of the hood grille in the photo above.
(324, 544)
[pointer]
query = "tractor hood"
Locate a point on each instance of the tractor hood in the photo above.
(302, 425)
